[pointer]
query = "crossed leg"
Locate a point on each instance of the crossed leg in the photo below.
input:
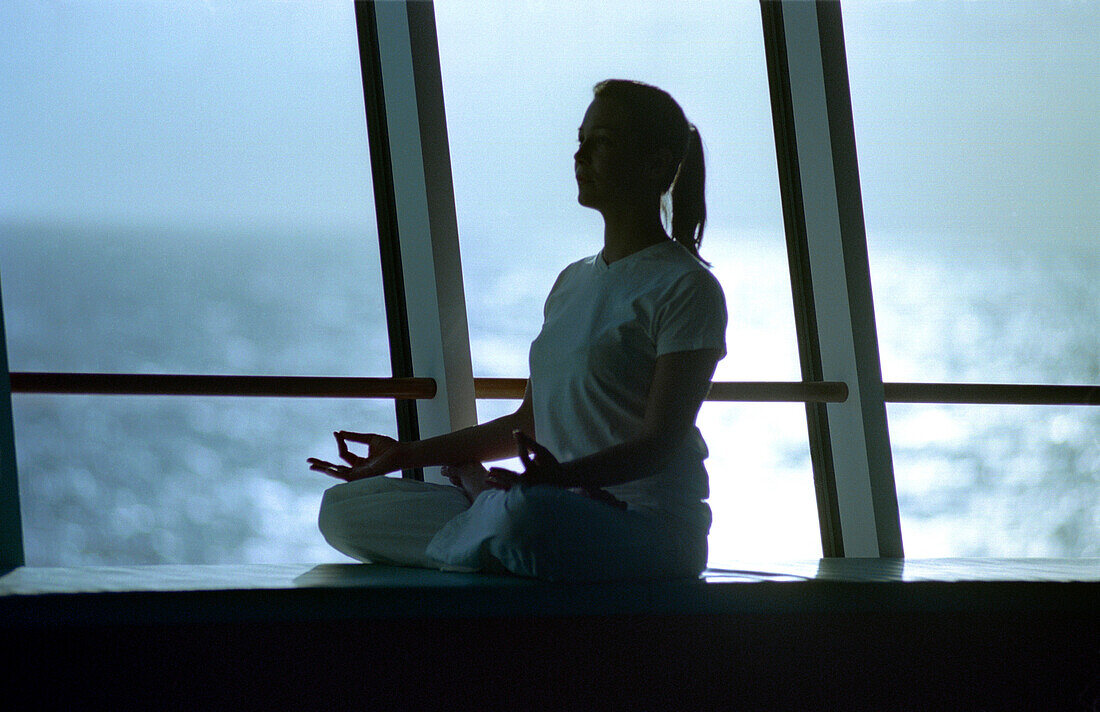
(388, 520)
(540, 531)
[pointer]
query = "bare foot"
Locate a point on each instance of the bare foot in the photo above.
(471, 477)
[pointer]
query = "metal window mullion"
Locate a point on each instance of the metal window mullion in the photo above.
(830, 277)
(809, 351)
(410, 88)
(11, 521)
(385, 210)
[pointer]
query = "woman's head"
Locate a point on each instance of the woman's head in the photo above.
(668, 152)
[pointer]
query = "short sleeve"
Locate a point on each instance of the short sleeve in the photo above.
(548, 304)
(691, 315)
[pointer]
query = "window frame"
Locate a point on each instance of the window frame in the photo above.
(429, 336)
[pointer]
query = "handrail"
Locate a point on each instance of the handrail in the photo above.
(727, 391)
(991, 394)
(837, 392)
(499, 388)
(512, 388)
(350, 387)
(778, 391)
(186, 385)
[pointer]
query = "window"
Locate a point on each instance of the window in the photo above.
(189, 192)
(980, 171)
(517, 79)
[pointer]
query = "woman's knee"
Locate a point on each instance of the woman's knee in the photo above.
(529, 513)
(328, 519)
(337, 503)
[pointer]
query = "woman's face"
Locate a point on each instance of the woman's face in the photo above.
(610, 172)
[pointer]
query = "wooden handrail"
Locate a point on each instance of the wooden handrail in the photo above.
(779, 391)
(185, 385)
(512, 389)
(349, 387)
(499, 388)
(751, 391)
(991, 394)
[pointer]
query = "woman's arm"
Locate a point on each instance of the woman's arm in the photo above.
(492, 440)
(681, 381)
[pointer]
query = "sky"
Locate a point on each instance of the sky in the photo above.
(974, 117)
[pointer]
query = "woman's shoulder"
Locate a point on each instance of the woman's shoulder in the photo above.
(573, 273)
(581, 266)
(675, 264)
(676, 253)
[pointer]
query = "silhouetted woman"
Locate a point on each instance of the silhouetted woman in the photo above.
(613, 482)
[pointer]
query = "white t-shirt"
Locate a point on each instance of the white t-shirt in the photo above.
(592, 364)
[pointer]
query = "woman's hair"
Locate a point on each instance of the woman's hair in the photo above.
(661, 125)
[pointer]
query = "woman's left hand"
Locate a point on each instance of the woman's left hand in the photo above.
(383, 456)
(540, 467)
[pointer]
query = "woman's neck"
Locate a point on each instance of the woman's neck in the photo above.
(627, 233)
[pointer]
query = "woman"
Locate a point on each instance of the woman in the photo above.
(613, 482)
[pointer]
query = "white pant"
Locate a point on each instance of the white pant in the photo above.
(546, 532)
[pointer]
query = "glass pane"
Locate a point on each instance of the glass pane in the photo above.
(186, 188)
(178, 480)
(517, 79)
(761, 483)
(762, 498)
(1010, 481)
(980, 170)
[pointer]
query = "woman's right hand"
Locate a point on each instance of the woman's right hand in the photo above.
(383, 456)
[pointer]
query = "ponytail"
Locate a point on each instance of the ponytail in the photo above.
(688, 191)
(661, 126)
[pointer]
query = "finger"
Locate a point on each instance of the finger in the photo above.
(342, 448)
(539, 453)
(500, 478)
(327, 468)
(526, 443)
(522, 450)
(498, 484)
(345, 454)
(364, 438)
(341, 444)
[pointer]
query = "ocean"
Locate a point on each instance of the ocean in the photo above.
(134, 480)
